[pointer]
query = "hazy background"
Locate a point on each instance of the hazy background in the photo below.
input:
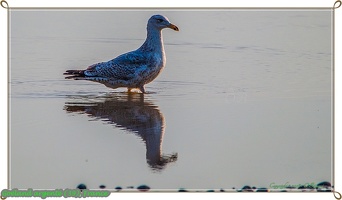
(246, 98)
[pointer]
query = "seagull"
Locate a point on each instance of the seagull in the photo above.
(134, 69)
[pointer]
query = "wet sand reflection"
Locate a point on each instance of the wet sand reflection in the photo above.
(130, 112)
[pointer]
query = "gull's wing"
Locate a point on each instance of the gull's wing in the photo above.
(123, 67)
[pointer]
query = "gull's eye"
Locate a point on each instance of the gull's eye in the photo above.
(160, 20)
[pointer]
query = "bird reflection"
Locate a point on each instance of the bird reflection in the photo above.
(129, 111)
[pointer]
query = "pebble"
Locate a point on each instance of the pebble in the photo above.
(324, 184)
(320, 190)
(81, 186)
(143, 188)
(262, 190)
(182, 190)
(118, 188)
(308, 187)
(102, 186)
(246, 188)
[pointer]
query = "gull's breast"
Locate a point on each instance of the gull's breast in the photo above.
(151, 71)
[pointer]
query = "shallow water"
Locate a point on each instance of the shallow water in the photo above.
(245, 99)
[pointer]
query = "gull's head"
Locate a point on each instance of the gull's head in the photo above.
(159, 22)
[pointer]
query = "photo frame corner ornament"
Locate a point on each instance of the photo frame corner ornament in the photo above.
(337, 195)
(337, 4)
(4, 4)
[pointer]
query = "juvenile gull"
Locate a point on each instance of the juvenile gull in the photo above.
(133, 69)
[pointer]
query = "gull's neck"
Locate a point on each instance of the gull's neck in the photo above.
(154, 40)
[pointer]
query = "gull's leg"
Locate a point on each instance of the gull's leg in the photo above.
(142, 89)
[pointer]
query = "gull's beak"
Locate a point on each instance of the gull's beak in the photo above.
(174, 27)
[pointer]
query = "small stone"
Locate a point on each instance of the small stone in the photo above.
(325, 190)
(81, 186)
(310, 187)
(222, 190)
(306, 187)
(262, 190)
(246, 188)
(182, 190)
(102, 186)
(324, 184)
(143, 188)
(118, 188)
(210, 190)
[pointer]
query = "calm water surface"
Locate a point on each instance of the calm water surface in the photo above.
(245, 99)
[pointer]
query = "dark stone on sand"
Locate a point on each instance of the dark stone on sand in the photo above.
(262, 190)
(118, 188)
(283, 190)
(81, 186)
(102, 186)
(210, 190)
(246, 188)
(306, 187)
(325, 190)
(143, 188)
(222, 190)
(182, 190)
(309, 187)
(324, 184)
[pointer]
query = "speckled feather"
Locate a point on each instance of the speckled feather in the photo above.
(133, 69)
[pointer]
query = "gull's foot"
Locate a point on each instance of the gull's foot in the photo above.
(131, 90)
(142, 89)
